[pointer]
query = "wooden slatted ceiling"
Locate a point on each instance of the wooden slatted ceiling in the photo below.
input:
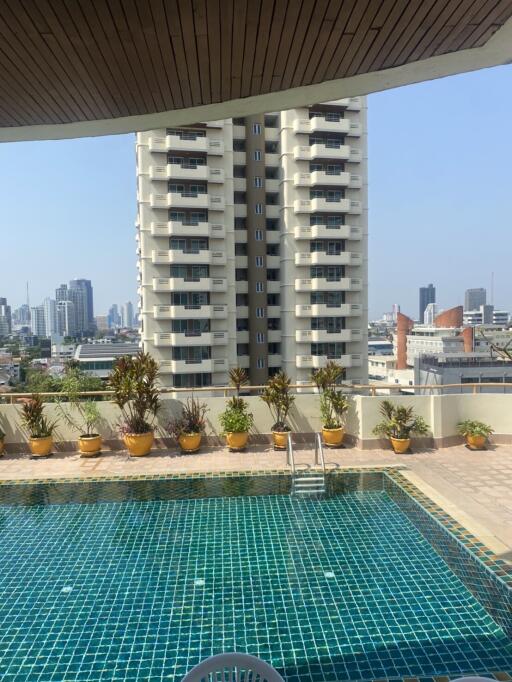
(65, 61)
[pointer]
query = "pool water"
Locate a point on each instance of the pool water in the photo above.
(344, 588)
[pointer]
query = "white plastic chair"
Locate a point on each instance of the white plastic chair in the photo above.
(233, 667)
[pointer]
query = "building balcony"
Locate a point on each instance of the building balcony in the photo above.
(208, 284)
(317, 361)
(177, 171)
(187, 200)
(274, 335)
(192, 312)
(215, 124)
(323, 335)
(192, 256)
(352, 232)
(191, 367)
(324, 284)
(274, 360)
(341, 179)
(273, 311)
(339, 152)
(323, 258)
(351, 103)
(190, 339)
(187, 143)
(273, 262)
(323, 205)
(178, 229)
(325, 310)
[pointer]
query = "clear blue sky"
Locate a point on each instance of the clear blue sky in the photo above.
(440, 191)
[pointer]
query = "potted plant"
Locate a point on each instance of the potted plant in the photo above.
(188, 428)
(236, 420)
(333, 404)
(82, 416)
(476, 433)
(134, 383)
(40, 429)
(278, 398)
(398, 424)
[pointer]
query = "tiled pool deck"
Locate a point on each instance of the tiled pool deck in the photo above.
(473, 487)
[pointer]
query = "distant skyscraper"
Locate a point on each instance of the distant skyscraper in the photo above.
(5, 318)
(427, 295)
(430, 314)
(474, 298)
(66, 318)
(50, 317)
(114, 318)
(101, 323)
(37, 326)
(86, 311)
(127, 315)
(22, 315)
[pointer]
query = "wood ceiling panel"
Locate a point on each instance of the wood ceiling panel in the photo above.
(66, 61)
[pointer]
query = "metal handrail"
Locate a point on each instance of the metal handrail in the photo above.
(319, 449)
(289, 453)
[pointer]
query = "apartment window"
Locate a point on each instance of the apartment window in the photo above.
(272, 249)
(239, 171)
(239, 145)
(272, 173)
(241, 274)
(257, 154)
(239, 197)
(190, 327)
(273, 274)
(272, 224)
(271, 147)
(242, 324)
(258, 235)
(192, 354)
(260, 312)
(274, 323)
(256, 129)
(273, 299)
(258, 181)
(240, 249)
(239, 121)
(259, 261)
(271, 121)
(332, 299)
(260, 363)
(192, 299)
(242, 349)
(240, 224)
(273, 370)
(259, 287)
(190, 273)
(272, 198)
(260, 337)
(192, 380)
(274, 348)
(242, 299)
(258, 208)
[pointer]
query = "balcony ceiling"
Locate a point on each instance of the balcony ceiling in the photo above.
(88, 67)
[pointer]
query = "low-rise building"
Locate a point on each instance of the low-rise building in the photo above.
(97, 359)
(461, 368)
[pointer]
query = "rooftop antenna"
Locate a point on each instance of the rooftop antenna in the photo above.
(28, 299)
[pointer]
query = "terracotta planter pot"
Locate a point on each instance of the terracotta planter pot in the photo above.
(400, 445)
(333, 437)
(139, 444)
(89, 446)
(190, 442)
(41, 447)
(476, 442)
(280, 439)
(237, 440)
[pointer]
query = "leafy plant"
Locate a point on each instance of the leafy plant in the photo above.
(333, 404)
(82, 415)
(34, 419)
(279, 400)
(236, 418)
(399, 422)
(134, 382)
(191, 420)
(471, 427)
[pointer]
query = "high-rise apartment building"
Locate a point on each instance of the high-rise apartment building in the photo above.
(5, 318)
(86, 321)
(50, 317)
(427, 295)
(66, 318)
(253, 245)
(127, 315)
(37, 324)
(474, 298)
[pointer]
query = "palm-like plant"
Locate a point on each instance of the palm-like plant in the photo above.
(134, 382)
(279, 400)
(34, 420)
(236, 418)
(333, 404)
(83, 415)
(399, 422)
(192, 419)
(471, 427)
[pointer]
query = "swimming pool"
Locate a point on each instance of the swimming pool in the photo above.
(141, 580)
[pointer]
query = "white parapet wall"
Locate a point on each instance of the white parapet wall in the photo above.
(441, 412)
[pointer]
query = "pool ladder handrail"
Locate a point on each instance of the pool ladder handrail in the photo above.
(289, 453)
(319, 450)
(308, 482)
